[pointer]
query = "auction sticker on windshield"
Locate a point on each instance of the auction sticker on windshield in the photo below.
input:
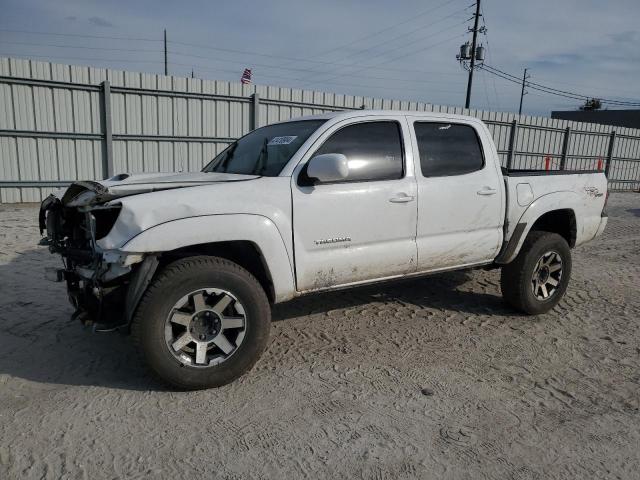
(282, 140)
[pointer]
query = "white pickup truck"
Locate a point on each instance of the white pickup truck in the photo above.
(191, 262)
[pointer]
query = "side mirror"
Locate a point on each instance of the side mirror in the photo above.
(328, 167)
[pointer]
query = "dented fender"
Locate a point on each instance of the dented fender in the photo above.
(257, 229)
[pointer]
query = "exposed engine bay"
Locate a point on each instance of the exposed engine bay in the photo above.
(105, 283)
(97, 280)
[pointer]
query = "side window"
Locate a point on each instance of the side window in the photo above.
(373, 150)
(448, 149)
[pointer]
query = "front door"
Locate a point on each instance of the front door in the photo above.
(363, 227)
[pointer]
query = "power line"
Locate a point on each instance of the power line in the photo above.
(303, 60)
(184, 54)
(305, 70)
(280, 77)
(83, 47)
(400, 46)
(548, 89)
(81, 35)
(89, 59)
(422, 49)
(372, 47)
(205, 68)
(367, 67)
(271, 67)
(553, 91)
(378, 32)
(226, 50)
(589, 87)
(486, 91)
(373, 34)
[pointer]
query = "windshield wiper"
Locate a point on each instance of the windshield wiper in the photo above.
(223, 163)
(261, 161)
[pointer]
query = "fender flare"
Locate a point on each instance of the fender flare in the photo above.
(564, 200)
(257, 229)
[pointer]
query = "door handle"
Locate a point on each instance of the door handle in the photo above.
(487, 191)
(402, 198)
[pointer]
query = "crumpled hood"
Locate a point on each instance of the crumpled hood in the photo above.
(89, 192)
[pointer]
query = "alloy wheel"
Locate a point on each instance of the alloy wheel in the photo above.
(547, 275)
(205, 327)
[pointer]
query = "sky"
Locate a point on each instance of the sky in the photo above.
(402, 49)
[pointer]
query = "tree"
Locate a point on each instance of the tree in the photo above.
(592, 104)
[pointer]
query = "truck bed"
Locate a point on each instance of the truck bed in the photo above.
(582, 194)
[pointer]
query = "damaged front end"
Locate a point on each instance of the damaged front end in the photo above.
(98, 281)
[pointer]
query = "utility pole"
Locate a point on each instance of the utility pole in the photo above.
(166, 70)
(473, 54)
(522, 92)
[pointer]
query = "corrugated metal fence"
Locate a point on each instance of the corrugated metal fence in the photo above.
(59, 123)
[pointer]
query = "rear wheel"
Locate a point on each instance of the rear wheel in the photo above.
(202, 323)
(536, 280)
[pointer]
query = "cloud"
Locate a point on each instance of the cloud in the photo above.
(558, 60)
(626, 37)
(71, 18)
(100, 22)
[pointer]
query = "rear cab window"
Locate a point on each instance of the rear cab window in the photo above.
(448, 149)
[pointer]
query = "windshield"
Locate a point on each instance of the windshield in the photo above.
(264, 151)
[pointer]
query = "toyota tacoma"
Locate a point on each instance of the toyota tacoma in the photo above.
(190, 263)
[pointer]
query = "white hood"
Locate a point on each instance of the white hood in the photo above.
(127, 180)
(92, 192)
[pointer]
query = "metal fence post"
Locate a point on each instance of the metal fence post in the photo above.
(255, 111)
(512, 144)
(565, 148)
(107, 159)
(612, 141)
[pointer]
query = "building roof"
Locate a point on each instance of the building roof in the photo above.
(620, 118)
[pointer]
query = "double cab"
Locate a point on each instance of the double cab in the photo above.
(190, 263)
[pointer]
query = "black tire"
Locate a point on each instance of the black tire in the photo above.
(174, 282)
(516, 278)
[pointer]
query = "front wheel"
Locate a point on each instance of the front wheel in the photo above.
(202, 323)
(536, 280)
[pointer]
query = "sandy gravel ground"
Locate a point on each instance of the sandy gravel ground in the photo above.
(431, 378)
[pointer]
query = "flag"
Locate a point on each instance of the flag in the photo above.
(246, 76)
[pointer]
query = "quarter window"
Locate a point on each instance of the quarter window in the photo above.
(448, 149)
(373, 150)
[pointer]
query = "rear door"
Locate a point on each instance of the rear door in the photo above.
(460, 197)
(363, 227)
